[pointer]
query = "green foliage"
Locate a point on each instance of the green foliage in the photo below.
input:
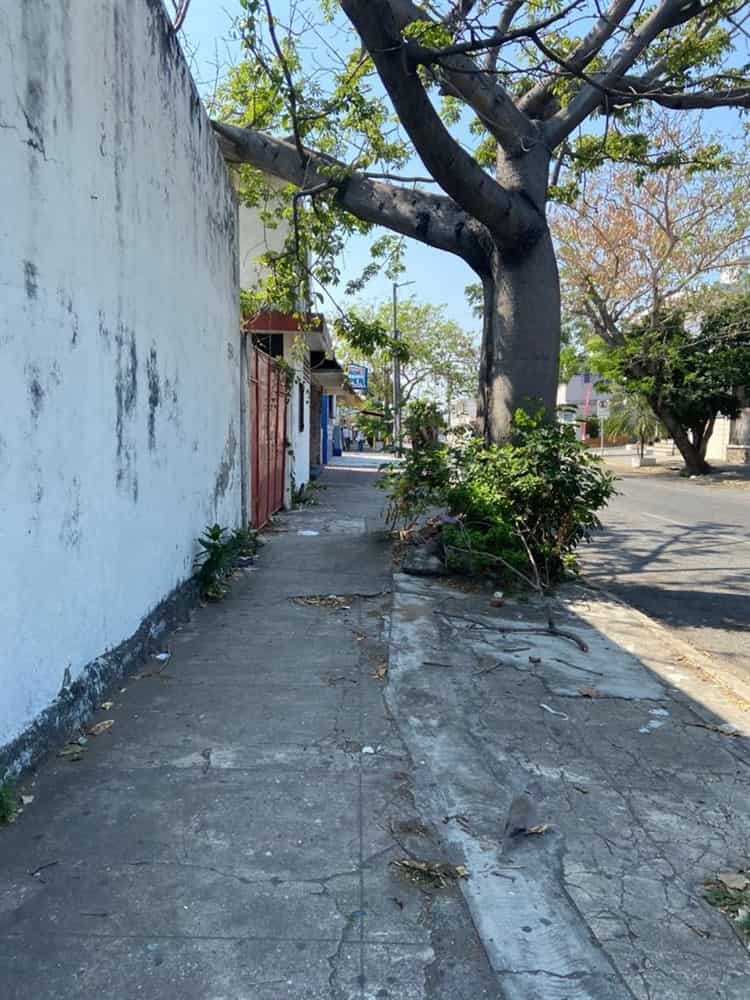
(438, 358)
(570, 362)
(424, 422)
(368, 335)
(735, 903)
(688, 371)
(8, 801)
(521, 508)
(475, 297)
(376, 428)
(632, 416)
(221, 547)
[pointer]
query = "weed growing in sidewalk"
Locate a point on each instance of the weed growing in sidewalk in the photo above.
(730, 893)
(8, 802)
(221, 547)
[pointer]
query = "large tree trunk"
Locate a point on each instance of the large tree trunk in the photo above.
(693, 455)
(521, 336)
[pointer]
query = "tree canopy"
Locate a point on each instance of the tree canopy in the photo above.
(641, 256)
(439, 359)
(440, 121)
(690, 365)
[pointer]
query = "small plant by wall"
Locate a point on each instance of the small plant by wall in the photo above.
(8, 802)
(220, 549)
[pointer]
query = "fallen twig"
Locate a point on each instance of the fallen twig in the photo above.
(551, 629)
(41, 868)
(574, 666)
(564, 633)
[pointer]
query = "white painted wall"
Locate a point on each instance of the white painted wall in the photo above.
(576, 392)
(299, 441)
(262, 231)
(120, 435)
(716, 450)
(258, 236)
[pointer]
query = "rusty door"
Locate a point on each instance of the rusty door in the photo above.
(268, 402)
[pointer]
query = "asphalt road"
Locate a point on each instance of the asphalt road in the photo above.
(679, 550)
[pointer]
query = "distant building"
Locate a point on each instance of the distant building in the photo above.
(578, 399)
(288, 449)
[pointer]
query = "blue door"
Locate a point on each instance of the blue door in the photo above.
(324, 428)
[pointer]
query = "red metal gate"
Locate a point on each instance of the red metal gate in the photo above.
(268, 400)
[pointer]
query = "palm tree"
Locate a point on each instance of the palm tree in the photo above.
(632, 415)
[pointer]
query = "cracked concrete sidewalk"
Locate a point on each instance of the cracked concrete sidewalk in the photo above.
(642, 800)
(228, 838)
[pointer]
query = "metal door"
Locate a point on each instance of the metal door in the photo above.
(268, 402)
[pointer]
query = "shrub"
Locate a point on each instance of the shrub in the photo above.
(8, 801)
(593, 427)
(220, 548)
(522, 507)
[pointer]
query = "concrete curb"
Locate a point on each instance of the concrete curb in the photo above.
(708, 669)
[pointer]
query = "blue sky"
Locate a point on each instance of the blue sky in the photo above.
(440, 277)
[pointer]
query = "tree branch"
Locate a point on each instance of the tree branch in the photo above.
(505, 213)
(180, 13)
(428, 56)
(431, 219)
(581, 56)
(669, 14)
(630, 89)
(492, 103)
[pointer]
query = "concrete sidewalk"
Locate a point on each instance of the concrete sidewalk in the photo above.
(611, 729)
(229, 837)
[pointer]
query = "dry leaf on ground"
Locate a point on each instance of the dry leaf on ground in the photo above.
(537, 831)
(331, 602)
(589, 692)
(106, 705)
(433, 873)
(381, 671)
(101, 727)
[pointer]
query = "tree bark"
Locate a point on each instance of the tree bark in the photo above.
(695, 462)
(521, 336)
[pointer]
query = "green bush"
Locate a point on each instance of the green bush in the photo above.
(521, 508)
(221, 547)
(593, 427)
(8, 801)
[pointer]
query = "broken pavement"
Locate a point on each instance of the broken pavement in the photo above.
(241, 828)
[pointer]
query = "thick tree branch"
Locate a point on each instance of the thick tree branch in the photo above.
(507, 214)
(509, 11)
(491, 102)
(431, 219)
(428, 56)
(632, 89)
(536, 99)
(669, 14)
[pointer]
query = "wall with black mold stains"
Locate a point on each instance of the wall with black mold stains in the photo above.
(119, 401)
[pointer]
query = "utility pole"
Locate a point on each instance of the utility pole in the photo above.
(397, 368)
